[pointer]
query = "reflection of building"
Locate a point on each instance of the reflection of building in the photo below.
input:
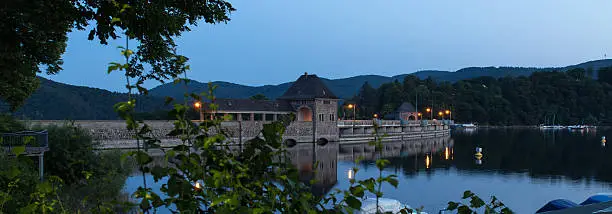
(316, 162)
(394, 149)
(406, 111)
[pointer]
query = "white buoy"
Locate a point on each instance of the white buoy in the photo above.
(478, 149)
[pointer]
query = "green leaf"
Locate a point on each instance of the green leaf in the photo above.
(464, 210)
(506, 210)
(115, 20)
(28, 140)
(392, 180)
(113, 66)
(467, 194)
(476, 202)
(142, 157)
(353, 202)
(381, 163)
(357, 191)
(159, 172)
(18, 150)
(452, 205)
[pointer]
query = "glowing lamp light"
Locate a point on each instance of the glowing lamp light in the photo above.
(198, 186)
(427, 162)
(350, 174)
(447, 112)
(350, 106)
(440, 113)
(428, 109)
(419, 114)
(197, 105)
(446, 153)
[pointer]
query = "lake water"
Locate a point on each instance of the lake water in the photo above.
(525, 168)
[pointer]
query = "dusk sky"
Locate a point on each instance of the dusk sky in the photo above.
(275, 41)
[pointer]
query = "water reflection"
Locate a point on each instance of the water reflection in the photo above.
(538, 166)
(541, 154)
(318, 162)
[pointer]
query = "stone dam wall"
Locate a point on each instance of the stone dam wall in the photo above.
(112, 134)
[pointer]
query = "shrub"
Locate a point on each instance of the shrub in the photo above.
(71, 153)
(18, 180)
(9, 124)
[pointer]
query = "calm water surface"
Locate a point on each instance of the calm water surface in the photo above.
(525, 168)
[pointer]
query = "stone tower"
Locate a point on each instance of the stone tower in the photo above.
(315, 105)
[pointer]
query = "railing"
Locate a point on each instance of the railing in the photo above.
(368, 123)
(346, 123)
(34, 141)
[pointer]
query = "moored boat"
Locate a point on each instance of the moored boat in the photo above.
(562, 204)
(576, 127)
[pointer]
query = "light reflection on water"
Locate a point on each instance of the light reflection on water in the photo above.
(525, 168)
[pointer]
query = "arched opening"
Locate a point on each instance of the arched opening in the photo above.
(290, 142)
(411, 117)
(322, 141)
(304, 114)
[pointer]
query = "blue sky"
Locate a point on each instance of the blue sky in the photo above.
(274, 41)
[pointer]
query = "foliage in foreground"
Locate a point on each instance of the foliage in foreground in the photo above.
(77, 178)
(35, 34)
(476, 204)
(10, 124)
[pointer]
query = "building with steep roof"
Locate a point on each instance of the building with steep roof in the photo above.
(406, 111)
(313, 103)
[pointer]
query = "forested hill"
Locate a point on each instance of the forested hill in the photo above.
(572, 97)
(58, 101)
(55, 100)
(348, 87)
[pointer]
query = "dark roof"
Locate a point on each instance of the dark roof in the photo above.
(253, 105)
(406, 107)
(308, 87)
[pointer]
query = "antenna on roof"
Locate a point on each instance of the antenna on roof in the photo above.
(305, 73)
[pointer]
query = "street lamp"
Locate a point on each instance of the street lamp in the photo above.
(375, 115)
(351, 106)
(428, 111)
(420, 115)
(441, 115)
(198, 105)
(450, 114)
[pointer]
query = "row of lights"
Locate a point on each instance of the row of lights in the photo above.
(419, 114)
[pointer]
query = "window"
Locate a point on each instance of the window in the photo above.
(326, 102)
(332, 117)
(245, 116)
(269, 117)
(321, 117)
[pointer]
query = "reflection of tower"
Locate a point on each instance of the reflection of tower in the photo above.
(305, 157)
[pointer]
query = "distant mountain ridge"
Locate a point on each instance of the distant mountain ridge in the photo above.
(59, 101)
(347, 87)
(54, 100)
